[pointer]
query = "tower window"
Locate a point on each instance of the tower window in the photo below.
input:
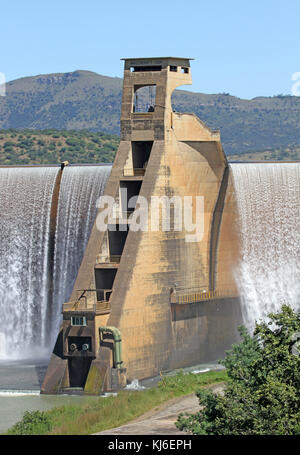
(78, 320)
(173, 68)
(136, 69)
(184, 69)
(144, 98)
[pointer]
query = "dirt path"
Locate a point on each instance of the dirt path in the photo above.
(161, 420)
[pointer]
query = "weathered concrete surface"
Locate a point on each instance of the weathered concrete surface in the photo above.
(228, 253)
(161, 420)
(186, 159)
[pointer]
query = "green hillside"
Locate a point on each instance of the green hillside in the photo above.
(24, 147)
(277, 154)
(86, 100)
(53, 146)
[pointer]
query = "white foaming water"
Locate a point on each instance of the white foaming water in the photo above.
(205, 370)
(25, 205)
(19, 393)
(29, 313)
(135, 385)
(268, 200)
(79, 190)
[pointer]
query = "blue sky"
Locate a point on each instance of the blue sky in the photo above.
(246, 48)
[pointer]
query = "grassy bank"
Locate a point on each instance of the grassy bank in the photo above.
(104, 413)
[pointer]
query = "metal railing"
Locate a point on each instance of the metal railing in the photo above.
(84, 304)
(201, 296)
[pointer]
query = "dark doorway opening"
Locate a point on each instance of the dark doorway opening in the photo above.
(129, 189)
(141, 153)
(104, 283)
(117, 240)
(78, 371)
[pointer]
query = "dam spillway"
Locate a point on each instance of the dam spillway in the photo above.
(137, 302)
(30, 315)
(25, 204)
(155, 300)
(152, 299)
(80, 188)
(268, 203)
(268, 220)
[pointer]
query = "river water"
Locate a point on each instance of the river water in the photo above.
(20, 382)
(30, 316)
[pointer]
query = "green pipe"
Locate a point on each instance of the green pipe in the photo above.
(117, 349)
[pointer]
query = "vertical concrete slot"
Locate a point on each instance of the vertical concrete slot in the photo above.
(117, 241)
(104, 282)
(140, 156)
(129, 189)
(215, 229)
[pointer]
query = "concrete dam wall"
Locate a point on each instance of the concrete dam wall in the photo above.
(192, 246)
(150, 300)
(46, 218)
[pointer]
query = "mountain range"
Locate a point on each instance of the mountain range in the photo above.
(86, 100)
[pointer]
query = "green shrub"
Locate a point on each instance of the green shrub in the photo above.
(35, 422)
(262, 394)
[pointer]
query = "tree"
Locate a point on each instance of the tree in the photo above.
(262, 395)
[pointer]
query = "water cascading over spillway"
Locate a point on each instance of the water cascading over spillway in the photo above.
(30, 314)
(268, 200)
(79, 190)
(25, 206)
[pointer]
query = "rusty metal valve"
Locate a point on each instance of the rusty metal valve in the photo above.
(73, 347)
